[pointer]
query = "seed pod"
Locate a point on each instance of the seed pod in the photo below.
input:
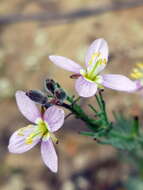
(50, 85)
(60, 94)
(37, 96)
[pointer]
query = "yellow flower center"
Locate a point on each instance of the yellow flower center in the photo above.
(91, 73)
(41, 131)
(137, 72)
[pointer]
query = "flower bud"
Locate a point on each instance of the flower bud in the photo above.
(60, 94)
(50, 85)
(37, 96)
(47, 105)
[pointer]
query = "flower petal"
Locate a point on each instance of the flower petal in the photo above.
(139, 85)
(49, 155)
(85, 88)
(65, 63)
(98, 46)
(118, 82)
(17, 142)
(27, 106)
(54, 116)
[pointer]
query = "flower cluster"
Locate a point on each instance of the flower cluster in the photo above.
(50, 118)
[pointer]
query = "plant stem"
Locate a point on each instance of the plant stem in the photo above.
(103, 109)
(79, 113)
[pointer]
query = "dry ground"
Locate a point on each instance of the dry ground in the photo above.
(24, 50)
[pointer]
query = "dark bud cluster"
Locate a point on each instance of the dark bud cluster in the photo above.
(37, 96)
(55, 89)
(54, 94)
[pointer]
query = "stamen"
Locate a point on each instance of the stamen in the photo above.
(29, 139)
(104, 61)
(46, 136)
(97, 58)
(140, 65)
(75, 76)
(41, 129)
(20, 134)
(137, 72)
(91, 74)
(54, 139)
(21, 131)
(97, 54)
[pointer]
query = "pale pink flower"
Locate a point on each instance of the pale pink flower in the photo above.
(40, 131)
(90, 79)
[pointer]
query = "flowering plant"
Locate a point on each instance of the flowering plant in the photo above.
(45, 123)
(122, 133)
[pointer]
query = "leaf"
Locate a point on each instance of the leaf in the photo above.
(120, 143)
(134, 184)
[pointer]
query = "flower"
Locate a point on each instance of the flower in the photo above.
(41, 131)
(137, 74)
(89, 79)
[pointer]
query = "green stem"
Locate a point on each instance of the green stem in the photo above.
(102, 106)
(135, 129)
(79, 113)
(92, 108)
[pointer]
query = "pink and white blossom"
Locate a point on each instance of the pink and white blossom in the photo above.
(90, 79)
(41, 130)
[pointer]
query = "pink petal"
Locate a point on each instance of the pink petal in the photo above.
(139, 86)
(65, 63)
(49, 155)
(17, 142)
(85, 88)
(27, 107)
(118, 82)
(54, 116)
(98, 46)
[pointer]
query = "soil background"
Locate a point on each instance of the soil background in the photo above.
(24, 64)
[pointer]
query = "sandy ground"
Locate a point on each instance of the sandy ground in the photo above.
(24, 64)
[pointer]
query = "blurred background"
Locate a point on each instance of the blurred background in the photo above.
(31, 30)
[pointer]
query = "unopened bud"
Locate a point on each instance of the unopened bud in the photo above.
(60, 94)
(37, 96)
(47, 105)
(50, 85)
